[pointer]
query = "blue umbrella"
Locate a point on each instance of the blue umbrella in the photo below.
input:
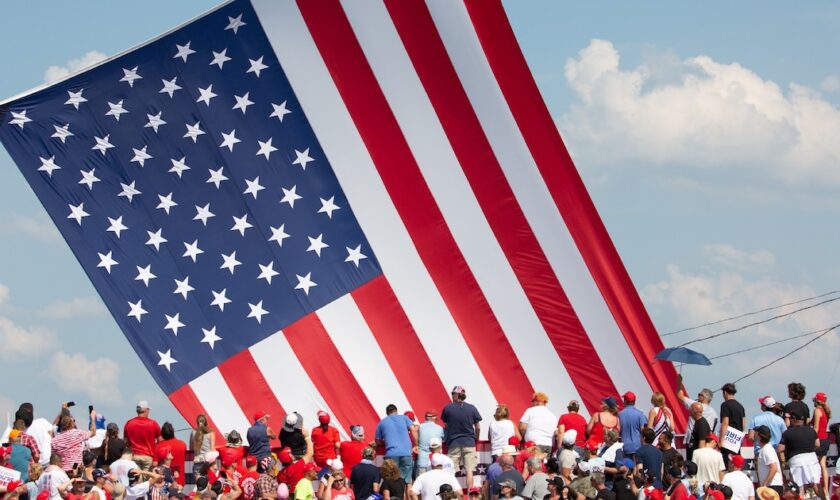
(683, 355)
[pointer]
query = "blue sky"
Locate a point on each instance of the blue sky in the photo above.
(706, 134)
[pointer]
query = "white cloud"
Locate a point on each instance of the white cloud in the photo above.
(54, 73)
(18, 341)
(97, 378)
(701, 114)
(74, 308)
(4, 293)
(830, 83)
(731, 257)
(38, 227)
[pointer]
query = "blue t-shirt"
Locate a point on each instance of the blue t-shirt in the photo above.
(632, 421)
(460, 419)
(774, 422)
(20, 460)
(651, 459)
(428, 430)
(258, 444)
(394, 429)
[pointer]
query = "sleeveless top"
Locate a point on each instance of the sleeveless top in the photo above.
(822, 430)
(205, 447)
(599, 432)
(258, 444)
(661, 422)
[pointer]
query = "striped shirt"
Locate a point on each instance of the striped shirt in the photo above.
(70, 444)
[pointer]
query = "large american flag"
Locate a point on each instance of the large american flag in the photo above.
(331, 205)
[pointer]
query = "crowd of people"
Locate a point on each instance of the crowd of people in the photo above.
(619, 453)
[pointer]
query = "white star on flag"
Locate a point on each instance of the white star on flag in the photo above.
(88, 178)
(144, 274)
(242, 102)
(192, 250)
(234, 23)
(170, 86)
(183, 287)
(166, 359)
(205, 95)
(253, 187)
(230, 262)
(116, 226)
(279, 111)
(166, 203)
(179, 166)
(328, 207)
(241, 224)
(193, 131)
(278, 234)
(48, 165)
(257, 311)
(155, 121)
(210, 337)
(116, 110)
(267, 272)
(219, 58)
(156, 238)
(106, 261)
(316, 244)
(184, 51)
(173, 323)
(75, 98)
(290, 196)
(140, 156)
(216, 176)
(302, 158)
(78, 212)
(203, 213)
(266, 148)
(136, 310)
(62, 133)
(130, 76)
(220, 299)
(19, 119)
(129, 191)
(229, 140)
(354, 255)
(102, 143)
(305, 283)
(256, 66)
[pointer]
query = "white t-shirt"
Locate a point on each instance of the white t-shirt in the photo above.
(51, 479)
(120, 468)
(99, 492)
(741, 484)
(427, 484)
(448, 464)
(40, 431)
(500, 432)
(766, 457)
(709, 464)
(541, 425)
(139, 490)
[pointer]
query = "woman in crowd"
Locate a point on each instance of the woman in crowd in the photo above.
(393, 486)
(603, 421)
(202, 439)
(500, 431)
(822, 414)
(113, 447)
(660, 417)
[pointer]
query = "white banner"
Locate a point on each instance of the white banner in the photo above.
(732, 439)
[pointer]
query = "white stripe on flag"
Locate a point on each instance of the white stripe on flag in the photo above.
(443, 174)
(462, 45)
(214, 394)
(352, 337)
(288, 380)
(365, 191)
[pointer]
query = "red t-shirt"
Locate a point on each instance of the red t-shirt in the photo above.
(679, 492)
(291, 474)
(237, 453)
(140, 435)
(519, 460)
(577, 422)
(323, 444)
(351, 454)
(178, 449)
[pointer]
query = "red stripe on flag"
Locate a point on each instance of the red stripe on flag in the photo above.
(249, 387)
(498, 202)
(569, 193)
(326, 368)
(414, 202)
(188, 405)
(403, 351)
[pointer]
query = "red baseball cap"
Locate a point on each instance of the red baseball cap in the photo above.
(228, 460)
(260, 414)
(285, 456)
(737, 460)
(529, 444)
(250, 461)
(310, 466)
(12, 486)
(629, 396)
(514, 441)
(161, 454)
(821, 397)
(323, 417)
(411, 416)
(716, 495)
(712, 437)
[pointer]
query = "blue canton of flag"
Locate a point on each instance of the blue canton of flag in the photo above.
(193, 191)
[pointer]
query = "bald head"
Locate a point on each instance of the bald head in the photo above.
(506, 461)
(696, 411)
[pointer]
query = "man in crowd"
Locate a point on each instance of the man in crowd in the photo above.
(741, 484)
(768, 468)
(350, 452)
(536, 487)
(294, 470)
(141, 433)
(649, 457)
(709, 461)
(325, 440)
(797, 448)
(632, 421)
(52, 477)
(704, 397)
(428, 484)
(40, 429)
(768, 418)
(672, 478)
(568, 457)
(572, 420)
(463, 428)
(393, 432)
(176, 447)
(538, 423)
(509, 472)
(427, 432)
(700, 429)
(597, 480)
(303, 488)
(259, 436)
(732, 414)
(666, 445)
(365, 475)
